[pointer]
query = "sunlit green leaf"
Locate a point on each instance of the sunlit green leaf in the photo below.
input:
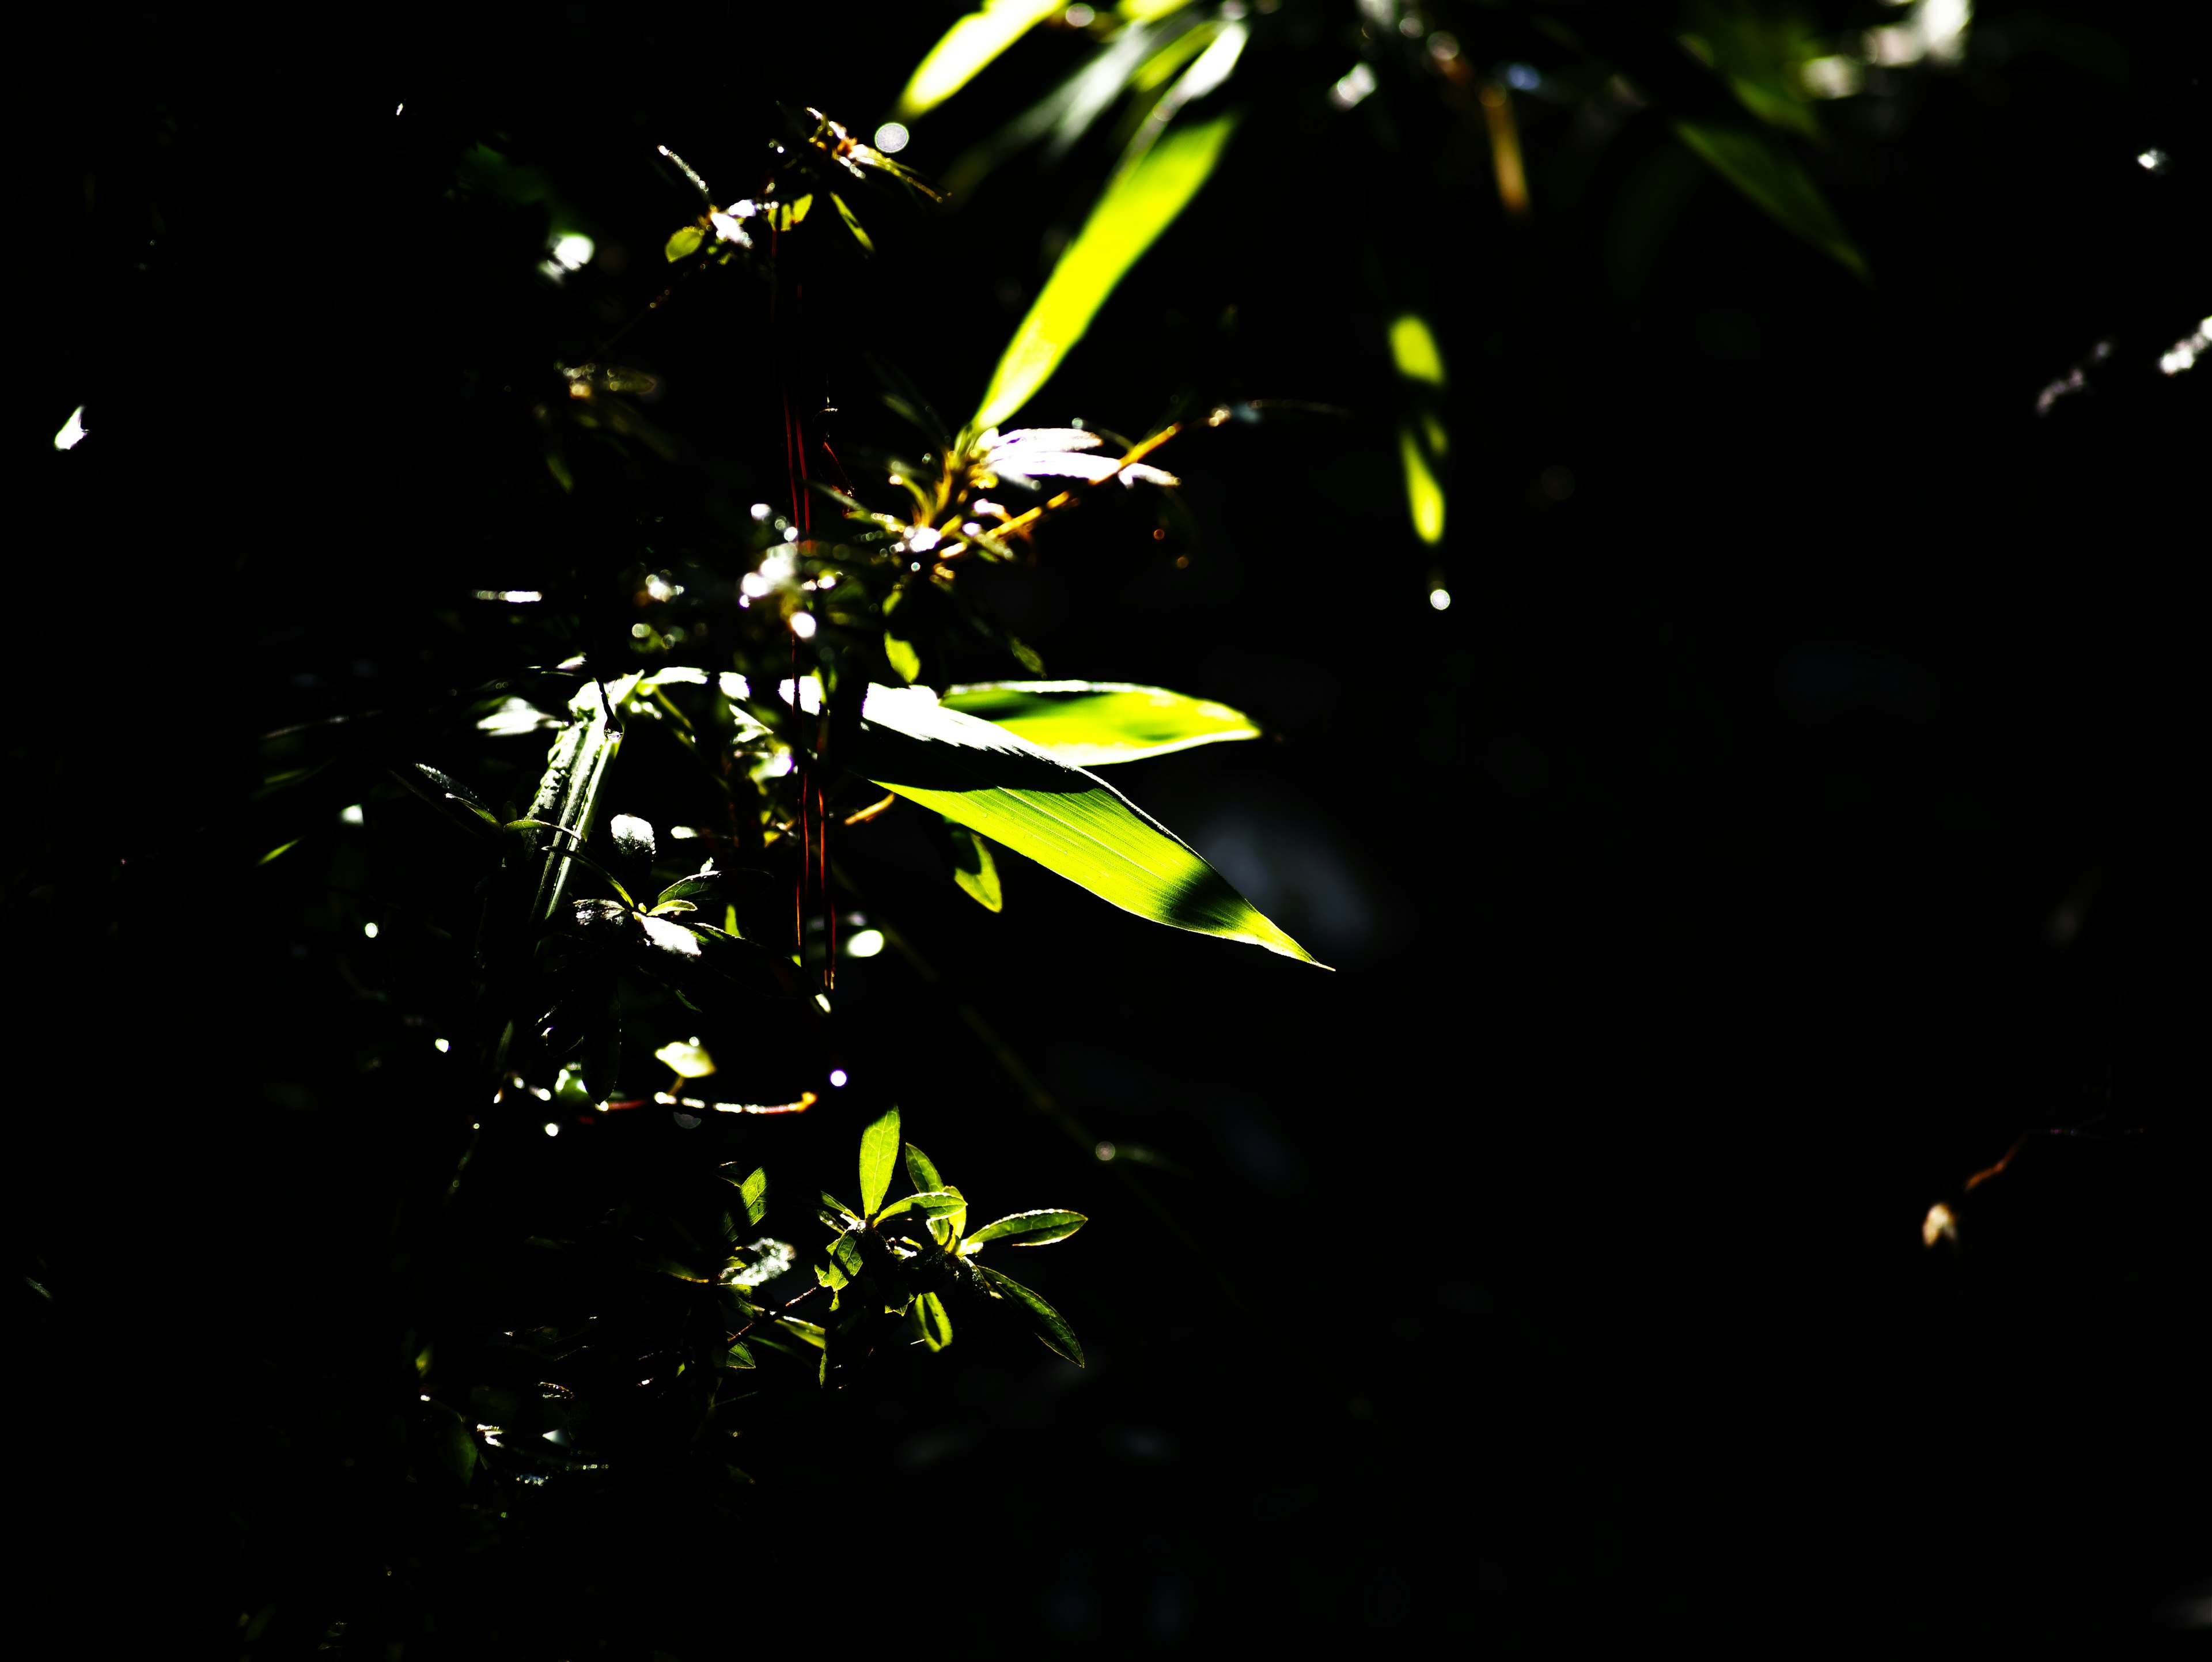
(1425, 492)
(1044, 1321)
(754, 1189)
(1089, 724)
(806, 1331)
(282, 847)
(904, 660)
(921, 1170)
(1776, 183)
(740, 1355)
(1031, 1228)
(684, 243)
(879, 1153)
(1137, 207)
(1067, 820)
(1413, 349)
(933, 1203)
(966, 47)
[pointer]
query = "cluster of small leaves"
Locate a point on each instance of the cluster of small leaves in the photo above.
(900, 1266)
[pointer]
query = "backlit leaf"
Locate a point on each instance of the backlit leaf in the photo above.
(965, 48)
(1067, 820)
(879, 1153)
(1031, 1228)
(1089, 724)
(1425, 492)
(921, 1170)
(936, 1326)
(1141, 204)
(972, 868)
(684, 243)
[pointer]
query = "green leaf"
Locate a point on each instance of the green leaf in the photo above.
(1031, 1228)
(1089, 724)
(972, 868)
(1044, 1321)
(1138, 205)
(921, 1170)
(1067, 820)
(965, 48)
(740, 1355)
(755, 1190)
(806, 1331)
(905, 661)
(283, 847)
(851, 223)
(1413, 349)
(841, 1211)
(1425, 491)
(685, 244)
(935, 1202)
(1776, 183)
(930, 1317)
(879, 1151)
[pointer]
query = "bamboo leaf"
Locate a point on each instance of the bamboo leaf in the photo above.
(1776, 183)
(1031, 1228)
(966, 48)
(879, 1153)
(1067, 820)
(1089, 724)
(1044, 1321)
(1141, 203)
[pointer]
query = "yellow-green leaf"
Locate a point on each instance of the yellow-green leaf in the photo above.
(1089, 724)
(1044, 1321)
(966, 48)
(1425, 491)
(880, 1155)
(685, 244)
(1413, 349)
(1776, 183)
(1071, 822)
(972, 868)
(1140, 204)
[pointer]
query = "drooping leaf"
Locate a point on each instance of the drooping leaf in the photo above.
(962, 53)
(852, 223)
(1029, 1228)
(972, 868)
(1044, 1321)
(930, 1318)
(1067, 820)
(879, 1152)
(1776, 184)
(1089, 724)
(1137, 206)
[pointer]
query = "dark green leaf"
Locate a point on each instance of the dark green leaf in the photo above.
(1776, 184)
(1044, 1321)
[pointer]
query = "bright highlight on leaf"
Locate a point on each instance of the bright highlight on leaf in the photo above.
(966, 48)
(1089, 724)
(1069, 821)
(1136, 208)
(1425, 491)
(1776, 183)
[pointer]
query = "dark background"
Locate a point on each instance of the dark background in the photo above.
(1780, 823)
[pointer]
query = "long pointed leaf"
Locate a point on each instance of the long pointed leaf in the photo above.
(965, 49)
(1089, 724)
(1136, 208)
(1067, 820)
(1044, 1321)
(1776, 183)
(1029, 1228)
